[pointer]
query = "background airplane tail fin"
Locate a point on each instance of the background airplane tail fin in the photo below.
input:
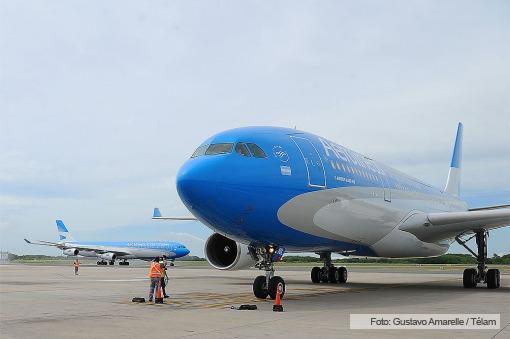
(156, 213)
(63, 233)
(453, 181)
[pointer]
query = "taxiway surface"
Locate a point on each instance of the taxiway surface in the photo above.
(51, 302)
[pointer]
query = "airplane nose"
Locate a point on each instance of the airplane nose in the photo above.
(185, 252)
(186, 178)
(194, 180)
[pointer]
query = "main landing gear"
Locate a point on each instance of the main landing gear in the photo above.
(481, 274)
(268, 284)
(328, 273)
(125, 262)
(102, 262)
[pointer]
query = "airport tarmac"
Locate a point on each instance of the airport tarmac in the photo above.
(51, 302)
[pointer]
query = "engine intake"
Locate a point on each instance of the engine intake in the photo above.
(223, 253)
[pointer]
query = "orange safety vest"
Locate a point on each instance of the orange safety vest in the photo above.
(156, 270)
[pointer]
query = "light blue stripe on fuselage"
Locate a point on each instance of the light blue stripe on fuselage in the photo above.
(345, 168)
(154, 245)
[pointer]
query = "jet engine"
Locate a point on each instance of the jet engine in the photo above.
(71, 251)
(107, 256)
(223, 253)
(88, 254)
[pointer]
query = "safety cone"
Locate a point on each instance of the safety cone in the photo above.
(159, 297)
(277, 307)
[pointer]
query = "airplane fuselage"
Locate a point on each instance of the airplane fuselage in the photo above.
(132, 249)
(308, 194)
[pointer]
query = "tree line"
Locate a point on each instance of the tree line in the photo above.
(443, 259)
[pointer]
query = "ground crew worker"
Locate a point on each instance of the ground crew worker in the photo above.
(76, 265)
(164, 277)
(155, 274)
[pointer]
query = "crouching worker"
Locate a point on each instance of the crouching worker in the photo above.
(155, 274)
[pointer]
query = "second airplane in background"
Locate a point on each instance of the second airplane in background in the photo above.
(111, 251)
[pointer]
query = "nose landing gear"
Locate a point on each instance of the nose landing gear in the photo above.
(328, 273)
(267, 285)
(481, 274)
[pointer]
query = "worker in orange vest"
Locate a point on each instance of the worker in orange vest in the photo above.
(76, 265)
(155, 274)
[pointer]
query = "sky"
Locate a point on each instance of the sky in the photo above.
(101, 102)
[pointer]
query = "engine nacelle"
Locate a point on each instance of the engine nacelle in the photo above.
(90, 254)
(223, 253)
(107, 256)
(71, 252)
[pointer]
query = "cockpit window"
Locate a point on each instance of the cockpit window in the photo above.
(200, 151)
(242, 149)
(219, 149)
(256, 150)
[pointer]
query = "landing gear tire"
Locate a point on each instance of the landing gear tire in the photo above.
(316, 275)
(481, 274)
(342, 275)
(112, 262)
(493, 278)
(333, 275)
(469, 278)
(273, 286)
(259, 287)
(324, 276)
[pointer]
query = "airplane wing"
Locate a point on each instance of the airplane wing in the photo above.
(80, 247)
(442, 225)
(99, 249)
(156, 215)
(42, 242)
(487, 218)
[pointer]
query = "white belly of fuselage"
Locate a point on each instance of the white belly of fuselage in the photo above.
(366, 216)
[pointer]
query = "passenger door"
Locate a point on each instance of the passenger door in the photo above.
(313, 162)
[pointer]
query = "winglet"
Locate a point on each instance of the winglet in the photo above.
(453, 181)
(27, 241)
(157, 213)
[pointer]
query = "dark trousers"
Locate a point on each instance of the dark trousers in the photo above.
(163, 285)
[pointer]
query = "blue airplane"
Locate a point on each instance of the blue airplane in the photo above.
(111, 251)
(268, 190)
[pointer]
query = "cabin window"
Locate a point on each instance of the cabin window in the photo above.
(200, 151)
(242, 149)
(223, 148)
(256, 150)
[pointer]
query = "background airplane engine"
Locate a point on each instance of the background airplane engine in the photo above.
(88, 254)
(70, 251)
(223, 253)
(107, 256)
